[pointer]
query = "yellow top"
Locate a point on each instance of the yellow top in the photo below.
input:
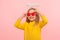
(31, 32)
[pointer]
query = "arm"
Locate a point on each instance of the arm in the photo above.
(18, 23)
(44, 20)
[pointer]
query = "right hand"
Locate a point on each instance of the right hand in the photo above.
(24, 15)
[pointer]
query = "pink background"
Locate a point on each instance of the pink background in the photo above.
(10, 10)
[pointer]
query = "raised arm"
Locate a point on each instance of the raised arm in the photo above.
(18, 23)
(44, 20)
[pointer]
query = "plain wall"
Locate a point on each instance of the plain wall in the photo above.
(10, 10)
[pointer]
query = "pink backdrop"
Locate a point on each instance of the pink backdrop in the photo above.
(10, 10)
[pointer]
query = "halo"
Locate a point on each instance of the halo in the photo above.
(33, 4)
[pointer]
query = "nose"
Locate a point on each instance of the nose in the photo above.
(31, 16)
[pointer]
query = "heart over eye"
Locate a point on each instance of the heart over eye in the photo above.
(33, 14)
(28, 14)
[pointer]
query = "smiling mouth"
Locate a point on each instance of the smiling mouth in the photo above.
(31, 17)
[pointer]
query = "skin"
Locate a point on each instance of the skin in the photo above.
(32, 18)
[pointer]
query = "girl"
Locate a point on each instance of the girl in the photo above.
(32, 27)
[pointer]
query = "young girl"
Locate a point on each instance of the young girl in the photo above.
(32, 27)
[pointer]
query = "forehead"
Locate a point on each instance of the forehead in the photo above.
(31, 11)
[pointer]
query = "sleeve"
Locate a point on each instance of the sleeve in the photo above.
(43, 22)
(19, 25)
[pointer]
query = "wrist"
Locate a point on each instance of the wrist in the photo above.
(20, 18)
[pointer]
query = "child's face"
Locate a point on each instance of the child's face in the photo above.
(31, 15)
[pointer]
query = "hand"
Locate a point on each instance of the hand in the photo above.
(39, 13)
(24, 15)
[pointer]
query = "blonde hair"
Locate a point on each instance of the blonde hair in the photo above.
(37, 16)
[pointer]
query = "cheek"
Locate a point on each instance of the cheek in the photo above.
(29, 18)
(34, 16)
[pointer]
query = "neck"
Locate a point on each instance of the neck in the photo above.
(32, 21)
